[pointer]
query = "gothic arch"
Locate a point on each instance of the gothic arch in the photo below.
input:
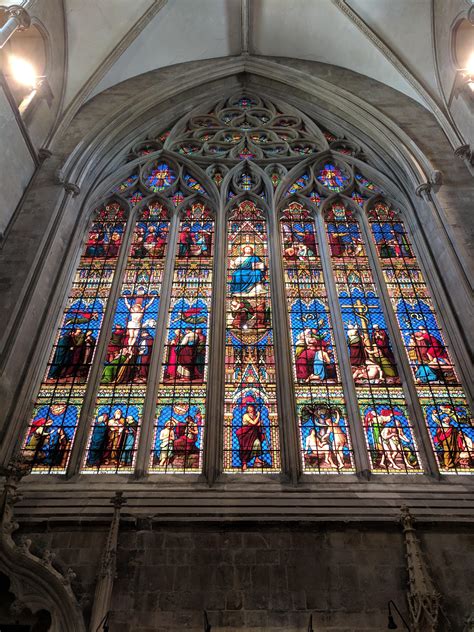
(130, 141)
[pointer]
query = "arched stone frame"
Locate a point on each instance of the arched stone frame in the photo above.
(143, 452)
(35, 582)
(320, 157)
(411, 195)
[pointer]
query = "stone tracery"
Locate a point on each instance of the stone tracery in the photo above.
(223, 157)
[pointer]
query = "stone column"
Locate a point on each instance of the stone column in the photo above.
(105, 580)
(18, 20)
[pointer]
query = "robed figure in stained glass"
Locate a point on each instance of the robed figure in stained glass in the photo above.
(250, 437)
(248, 273)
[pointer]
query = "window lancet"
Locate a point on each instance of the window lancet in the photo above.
(322, 418)
(52, 430)
(442, 399)
(124, 377)
(367, 380)
(375, 370)
(181, 403)
(251, 438)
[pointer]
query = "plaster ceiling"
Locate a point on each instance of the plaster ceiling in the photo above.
(94, 28)
(189, 30)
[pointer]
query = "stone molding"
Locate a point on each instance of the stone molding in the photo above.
(450, 130)
(81, 97)
(35, 582)
(102, 153)
(20, 14)
(107, 570)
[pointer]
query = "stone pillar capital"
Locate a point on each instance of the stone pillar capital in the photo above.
(18, 13)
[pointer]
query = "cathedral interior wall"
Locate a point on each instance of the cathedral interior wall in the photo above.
(261, 576)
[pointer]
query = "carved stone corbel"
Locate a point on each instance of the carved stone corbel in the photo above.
(20, 14)
(423, 190)
(16, 18)
(34, 581)
(44, 154)
(464, 152)
(71, 188)
(108, 564)
(423, 598)
(436, 177)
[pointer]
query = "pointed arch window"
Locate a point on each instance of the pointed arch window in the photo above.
(124, 373)
(251, 438)
(51, 433)
(260, 232)
(181, 403)
(442, 398)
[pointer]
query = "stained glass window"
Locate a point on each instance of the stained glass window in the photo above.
(251, 439)
(181, 404)
(151, 363)
(51, 433)
(387, 427)
(443, 401)
(322, 418)
(124, 376)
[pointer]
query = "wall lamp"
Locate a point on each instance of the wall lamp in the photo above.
(391, 625)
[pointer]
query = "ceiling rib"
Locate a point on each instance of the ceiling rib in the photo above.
(448, 128)
(245, 27)
(106, 64)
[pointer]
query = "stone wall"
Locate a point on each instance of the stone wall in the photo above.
(262, 576)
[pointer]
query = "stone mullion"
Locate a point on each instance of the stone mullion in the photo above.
(411, 396)
(288, 423)
(86, 417)
(359, 445)
(156, 362)
(213, 434)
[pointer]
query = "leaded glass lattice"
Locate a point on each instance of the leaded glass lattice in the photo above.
(225, 207)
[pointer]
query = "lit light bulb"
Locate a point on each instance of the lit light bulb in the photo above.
(23, 72)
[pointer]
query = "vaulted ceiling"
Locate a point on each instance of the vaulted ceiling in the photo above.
(388, 40)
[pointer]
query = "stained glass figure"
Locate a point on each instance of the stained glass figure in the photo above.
(275, 177)
(52, 429)
(245, 181)
(134, 197)
(180, 409)
(245, 103)
(322, 420)
(374, 367)
(251, 438)
(124, 376)
(160, 177)
(332, 177)
(442, 398)
(178, 198)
